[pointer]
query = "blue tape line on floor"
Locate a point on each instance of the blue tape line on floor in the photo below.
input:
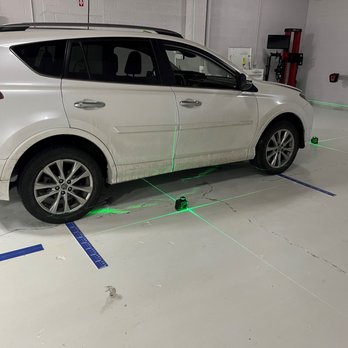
(308, 185)
(21, 252)
(86, 245)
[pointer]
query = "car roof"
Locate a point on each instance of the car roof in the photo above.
(30, 35)
(56, 30)
(27, 35)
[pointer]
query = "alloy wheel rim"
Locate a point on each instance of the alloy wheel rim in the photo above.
(280, 148)
(63, 186)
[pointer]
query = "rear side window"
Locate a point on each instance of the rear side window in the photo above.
(45, 58)
(118, 60)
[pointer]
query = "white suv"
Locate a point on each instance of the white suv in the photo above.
(80, 108)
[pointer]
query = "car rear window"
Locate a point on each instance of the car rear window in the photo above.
(45, 58)
(116, 60)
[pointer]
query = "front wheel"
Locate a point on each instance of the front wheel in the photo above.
(277, 148)
(60, 184)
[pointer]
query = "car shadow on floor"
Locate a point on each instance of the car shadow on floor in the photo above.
(14, 217)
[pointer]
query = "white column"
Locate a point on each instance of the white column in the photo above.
(195, 24)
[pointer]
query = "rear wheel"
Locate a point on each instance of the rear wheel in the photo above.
(60, 184)
(277, 148)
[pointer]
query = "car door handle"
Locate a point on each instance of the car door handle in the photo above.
(89, 104)
(190, 103)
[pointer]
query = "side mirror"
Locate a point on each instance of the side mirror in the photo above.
(242, 82)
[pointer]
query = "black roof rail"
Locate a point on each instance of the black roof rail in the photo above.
(61, 25)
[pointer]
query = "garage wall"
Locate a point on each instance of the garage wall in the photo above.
(187, 17)
(231, 23)
(276, 15)
(326, 50)
(247, 23)
(14, 11)
(163, 13)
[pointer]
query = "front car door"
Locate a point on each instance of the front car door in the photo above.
(217, 122)
(112, 89)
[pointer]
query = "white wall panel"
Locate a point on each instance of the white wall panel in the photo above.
(235, 23)
(14, 11)
(162, 13)
(196, 11)
(232, 23)
(326, 50)
(276, 15)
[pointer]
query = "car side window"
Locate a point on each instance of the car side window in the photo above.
(77, 68)
(113, 60)
(45, 58)
(193, 69)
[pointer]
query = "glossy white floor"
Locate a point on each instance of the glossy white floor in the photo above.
(259, 261)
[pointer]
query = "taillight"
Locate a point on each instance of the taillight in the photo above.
(1, 96)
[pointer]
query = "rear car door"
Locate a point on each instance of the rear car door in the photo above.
(217, 122)
(112, 89)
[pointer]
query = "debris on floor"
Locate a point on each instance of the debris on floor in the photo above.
(111, 290)
(60, 258)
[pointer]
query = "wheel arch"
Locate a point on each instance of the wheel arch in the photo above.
(77, 139)
(293, 119)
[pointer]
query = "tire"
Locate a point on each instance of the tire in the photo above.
(277, 148)
(60, 184)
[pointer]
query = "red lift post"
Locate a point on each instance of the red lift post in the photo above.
(293, 57)
(285, 59)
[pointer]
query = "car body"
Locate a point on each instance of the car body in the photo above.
(139, 103)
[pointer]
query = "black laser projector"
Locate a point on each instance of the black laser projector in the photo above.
(315, 140)
(181, 204)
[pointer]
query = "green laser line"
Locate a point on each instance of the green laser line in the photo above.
(183, 211)
(333, 105)
(190, 210)
(113, 211)
(232, 239)
(141, 205)
(174, 148)
(216, 228)
(201, 175)
(151, 219)
(211, 203)
(341, 137)
(231, 198)
(141, 222)
(224, 233)
(107, 211)
(158, 189)
(329, 148)
(191, 192)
